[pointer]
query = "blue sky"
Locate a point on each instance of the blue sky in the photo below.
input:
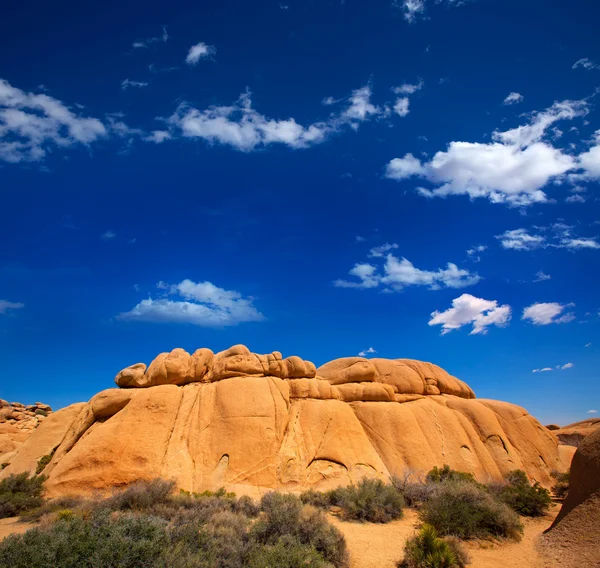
(416, 178)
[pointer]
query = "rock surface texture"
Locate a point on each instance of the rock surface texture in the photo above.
(574, 434)
(573, 540)
(17, 423)
(251, 422)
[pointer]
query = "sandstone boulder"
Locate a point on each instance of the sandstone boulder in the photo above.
(252, 422)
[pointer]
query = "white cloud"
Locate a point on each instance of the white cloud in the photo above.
(575, 198)
(589, 162)
(149, 41)
(545, 369)
(158, 136)
(566, 366)
(108, 235)
(588, 344)
(511, 169)
(592, 412)
(382, 250)
(360, 239)
(401, 106)
(126, 83)
(408, 88)
(520, 239)
(513, 98)
(242, 127)
(202, 304)
(547, 313)
(396, 274)
(31, 125)
(415, 9)
(199, 51)
(366, 352)
(468, 309)
(541, 276)
(555, 236)
(475, 250)
(585, 63)
(5, 305)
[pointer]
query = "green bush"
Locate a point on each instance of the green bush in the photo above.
(40, 412)
(561, 487)
(370, 500)
(446, 473)
(427, 550)
(43, 462)
(465, 510)
(141, 495)
(286, 516)
(286, 553)
(319, 499)
(524, 498)
(146, 525)
(20, 493)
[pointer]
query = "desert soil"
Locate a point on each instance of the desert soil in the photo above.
(13, 526)
(381, 546)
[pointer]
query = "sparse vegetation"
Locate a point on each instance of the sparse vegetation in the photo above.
(561, 487)
(446, 473)
(43, 462)
(147, 525)
(523, 497)
(465, 510)
(20, 493)
(427, 550)
(369, 500)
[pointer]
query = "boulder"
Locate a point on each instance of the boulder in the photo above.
(251, 422)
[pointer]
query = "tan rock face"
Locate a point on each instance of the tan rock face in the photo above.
(252, 422)
(574, 434)
(17, 423)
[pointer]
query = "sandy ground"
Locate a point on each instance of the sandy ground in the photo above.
(13, 526)
(381, 546)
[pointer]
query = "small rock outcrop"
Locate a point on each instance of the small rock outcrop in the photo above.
(251, 422)
(574, 434)
(17, 423)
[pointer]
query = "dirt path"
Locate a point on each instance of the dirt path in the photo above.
(13, 526)
(381, 546)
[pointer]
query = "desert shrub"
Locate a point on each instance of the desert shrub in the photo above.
(427, 550)
(52, 506)
(413, 488)
(523, 497)
(319, 499)
(286, 553)
(127, 541)
(284, 516)
(4, 465)
(561, 485)
(369, 500)
(446, 473)
(40, 412)
(43, 462)
(20, 493)
(140, 495)
(465, 510)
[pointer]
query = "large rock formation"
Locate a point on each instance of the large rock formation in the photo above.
(573, 540)
(251, 422)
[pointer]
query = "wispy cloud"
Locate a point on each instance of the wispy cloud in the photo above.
(513, 99)
(202, 304)
(396, 274)
(541, 276)
(126, 83)
(585, 63)
(557, 235)
(546, 313)
(366, 352)
(108, 235)
(5, 306)
(163, 38)
(199, 51)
